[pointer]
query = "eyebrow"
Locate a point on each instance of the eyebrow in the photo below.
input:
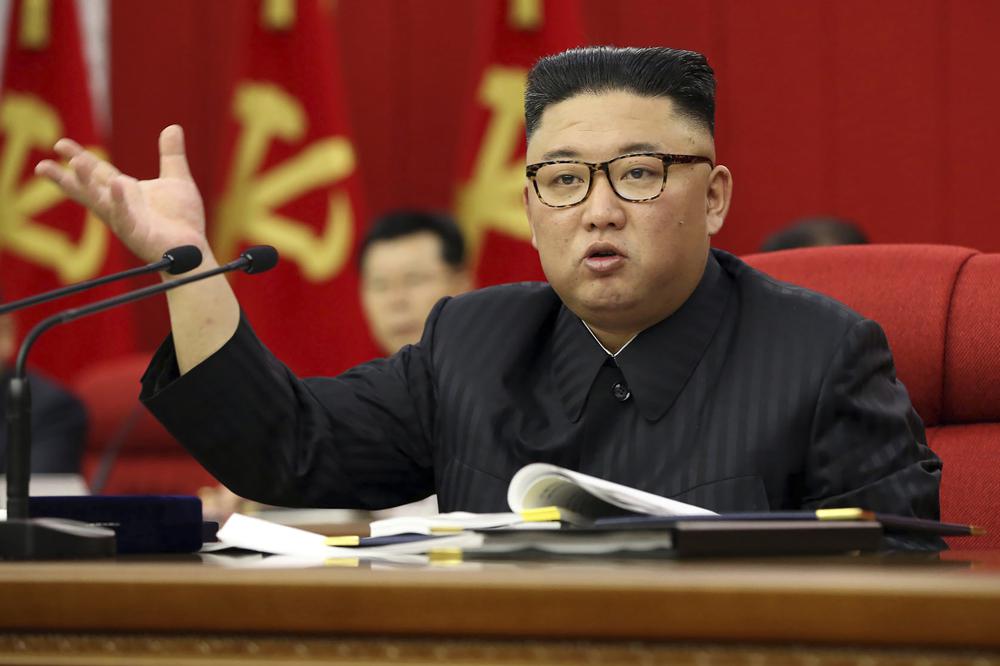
(559, 154)
(571, 153)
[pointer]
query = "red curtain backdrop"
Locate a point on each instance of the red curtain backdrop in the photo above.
(880, 112)
(46, 240)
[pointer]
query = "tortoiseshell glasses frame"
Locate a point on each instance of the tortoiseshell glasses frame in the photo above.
(531, 171)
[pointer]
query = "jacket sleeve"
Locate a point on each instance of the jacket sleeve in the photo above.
(358, 440)
(868, 447)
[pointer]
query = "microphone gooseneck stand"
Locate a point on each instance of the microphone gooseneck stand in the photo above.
(22, 537)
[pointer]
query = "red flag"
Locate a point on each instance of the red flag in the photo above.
(291, 181)
(489, 204)
(46, 240)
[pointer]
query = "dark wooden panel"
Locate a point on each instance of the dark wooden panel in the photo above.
(109, 650)
(859, 602)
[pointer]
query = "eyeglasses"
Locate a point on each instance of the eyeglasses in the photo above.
(634, 177)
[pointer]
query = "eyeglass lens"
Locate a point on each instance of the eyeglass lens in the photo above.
(633, 177)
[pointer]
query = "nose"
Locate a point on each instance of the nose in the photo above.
(394, 298)
(400, 299)
(603, 208)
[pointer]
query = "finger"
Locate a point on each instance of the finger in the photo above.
(97, 200)
(84, 168)
(49, 169)
(173, 160)
(100, 171)
(67, 148)
(90, 174)
(92, 171)
(64, 177)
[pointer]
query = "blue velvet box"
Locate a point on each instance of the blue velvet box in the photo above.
(142, 523)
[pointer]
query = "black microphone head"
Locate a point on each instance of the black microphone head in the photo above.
(260, 258)
(182, 259)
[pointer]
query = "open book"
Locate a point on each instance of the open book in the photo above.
(542, 485)
(545, 496)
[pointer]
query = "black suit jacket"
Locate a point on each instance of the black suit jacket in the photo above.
(754, 395)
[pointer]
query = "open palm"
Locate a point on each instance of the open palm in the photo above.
(149, 216)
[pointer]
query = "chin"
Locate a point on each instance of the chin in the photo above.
(609, 309)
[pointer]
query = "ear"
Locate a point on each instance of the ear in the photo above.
(527, 212)
(717, 198)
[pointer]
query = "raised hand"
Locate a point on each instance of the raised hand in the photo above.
(149, 216)
(152, 216)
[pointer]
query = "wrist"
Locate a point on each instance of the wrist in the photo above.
(208, 262)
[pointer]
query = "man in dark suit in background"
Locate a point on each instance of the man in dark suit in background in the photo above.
(409, 260)
(815, 232)
(648, 358)
(58, 418)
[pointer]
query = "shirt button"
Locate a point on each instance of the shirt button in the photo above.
(620, 391)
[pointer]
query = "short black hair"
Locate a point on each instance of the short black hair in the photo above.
(400, 223)
(813, 232)
(684, 77)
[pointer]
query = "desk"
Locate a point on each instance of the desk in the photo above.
(146, 612)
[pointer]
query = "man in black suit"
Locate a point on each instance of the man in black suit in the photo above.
(648, 358)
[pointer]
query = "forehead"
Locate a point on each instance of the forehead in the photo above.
(421, 249)
(596, 127)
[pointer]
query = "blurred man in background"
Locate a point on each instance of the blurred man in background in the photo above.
(58, 418)
(815, 232)
(409, 260)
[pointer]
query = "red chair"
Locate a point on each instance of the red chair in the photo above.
(940, 308)
(145, 459)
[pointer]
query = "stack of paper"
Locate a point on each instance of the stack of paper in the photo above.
(559, 512)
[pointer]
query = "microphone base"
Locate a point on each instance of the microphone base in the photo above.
(54, 539)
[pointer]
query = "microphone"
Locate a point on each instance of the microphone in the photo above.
(21, 537)
(175, 261)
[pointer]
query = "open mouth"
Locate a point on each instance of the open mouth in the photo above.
(603, 257)
(603, 249)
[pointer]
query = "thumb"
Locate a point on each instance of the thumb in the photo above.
(173, 160)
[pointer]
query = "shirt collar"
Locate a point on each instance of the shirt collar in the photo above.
(656, 364)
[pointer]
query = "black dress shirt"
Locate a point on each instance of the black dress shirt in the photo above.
(755, 395)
